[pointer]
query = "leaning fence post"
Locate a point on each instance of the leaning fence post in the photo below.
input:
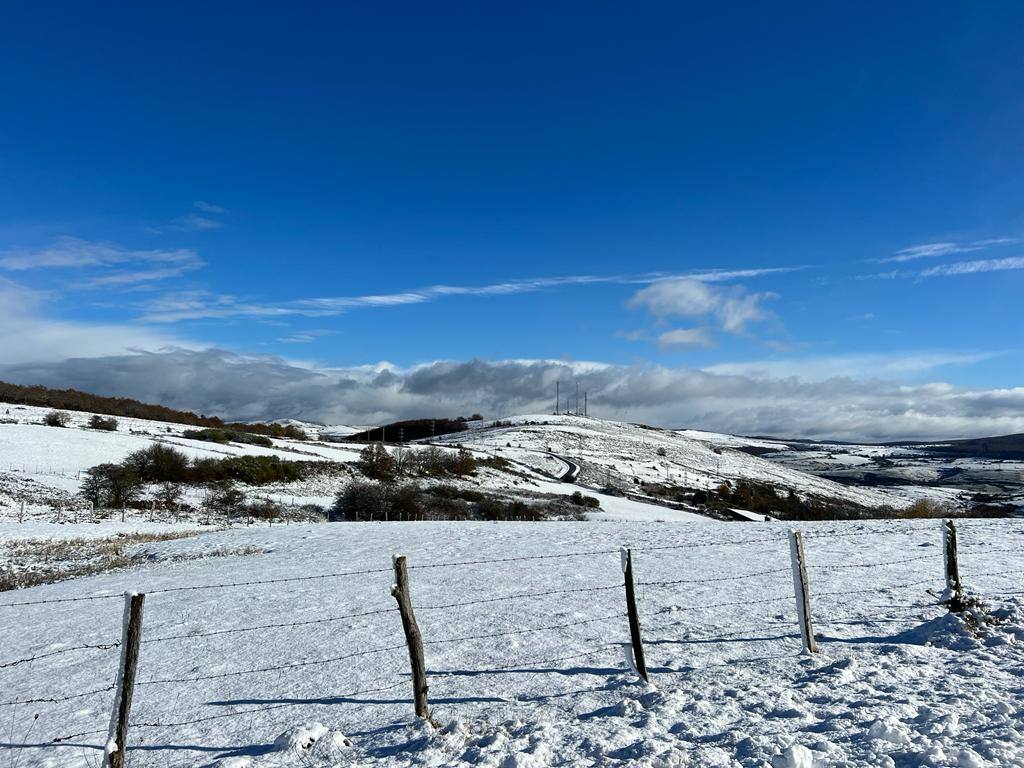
(954, 595)
(803, 599)
(131, 636)
(400, 591)
(634, 617)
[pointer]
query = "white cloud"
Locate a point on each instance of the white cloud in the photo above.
(682, 337)
(30, 336)
(973, 267)
(732, 306)
(248, 387)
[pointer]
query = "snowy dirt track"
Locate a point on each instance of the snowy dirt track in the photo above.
(313, 671)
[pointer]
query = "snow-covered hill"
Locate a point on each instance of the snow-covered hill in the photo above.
(43, 466)
(628, 455)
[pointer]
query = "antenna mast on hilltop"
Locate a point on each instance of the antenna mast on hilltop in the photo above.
(576, 409)
(557, 397)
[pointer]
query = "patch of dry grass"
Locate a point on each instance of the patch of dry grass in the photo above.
(30, 562)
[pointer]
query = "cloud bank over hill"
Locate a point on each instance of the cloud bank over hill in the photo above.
(754, 401)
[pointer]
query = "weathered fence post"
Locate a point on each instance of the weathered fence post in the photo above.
(131, 635)
(400, 591)
(634, 616)
(803, 599)
(954, 594)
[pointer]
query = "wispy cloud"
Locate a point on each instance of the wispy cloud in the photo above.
(306, 337)
(973, 267)
(205, 207)
(204, 216)
(198, 306)
(106, 265)
(686, 337)
(136, 278)
(933, 250)
(73, 253)
(854, 366)
(196, 222)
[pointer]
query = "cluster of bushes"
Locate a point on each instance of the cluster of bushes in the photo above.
(117, 485)
(376, 463)
(227, 436)
(766, 500)
(580, 500)
(74, 400)
(362, 500)
(924, 508)
(61, 419)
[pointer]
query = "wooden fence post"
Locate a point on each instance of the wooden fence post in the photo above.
(400, 591)
(954, 594)
(634, 617)
(803, 599)
(114, 753)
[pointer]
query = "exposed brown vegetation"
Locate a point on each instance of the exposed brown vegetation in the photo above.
(31, 562)
(73, 400)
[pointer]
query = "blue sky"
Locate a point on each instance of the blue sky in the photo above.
(746, 191)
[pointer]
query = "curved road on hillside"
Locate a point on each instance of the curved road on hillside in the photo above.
(572, 472)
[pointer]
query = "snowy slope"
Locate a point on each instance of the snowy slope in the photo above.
(898, 682)
(626, 454)
(44, 464)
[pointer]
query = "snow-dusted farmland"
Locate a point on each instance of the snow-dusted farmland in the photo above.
(897, 683)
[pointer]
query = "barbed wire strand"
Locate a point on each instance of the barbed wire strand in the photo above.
(737, 577)
(841, 566)
(56, 699)
(197, 587)
(524, 631)
(254, 710)
(28, 660)
(259, 670)
(254, 628)
(519, 596)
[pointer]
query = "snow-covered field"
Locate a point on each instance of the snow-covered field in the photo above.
(527, 649)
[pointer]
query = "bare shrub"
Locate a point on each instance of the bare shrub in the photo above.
(56, 419)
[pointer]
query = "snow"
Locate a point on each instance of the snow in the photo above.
(898, 682)
(627, 455)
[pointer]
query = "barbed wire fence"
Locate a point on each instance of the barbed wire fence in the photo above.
(601, 622)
